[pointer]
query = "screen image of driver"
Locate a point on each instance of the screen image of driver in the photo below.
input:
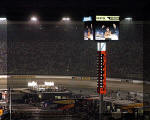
(89, 34)
(107, 33)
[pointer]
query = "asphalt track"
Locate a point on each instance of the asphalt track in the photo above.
(78, 86)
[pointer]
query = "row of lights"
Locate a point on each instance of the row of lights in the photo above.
(35, 19)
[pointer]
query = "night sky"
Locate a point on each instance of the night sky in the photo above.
(55, 9)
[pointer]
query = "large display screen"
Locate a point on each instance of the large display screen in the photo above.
(88, 31)
(107, 28)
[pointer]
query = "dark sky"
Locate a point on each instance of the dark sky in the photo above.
(54, 9)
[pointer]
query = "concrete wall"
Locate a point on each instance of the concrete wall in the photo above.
(3, 83)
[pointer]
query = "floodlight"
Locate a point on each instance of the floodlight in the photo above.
(34, 19)
(66, 19)
(128, 18)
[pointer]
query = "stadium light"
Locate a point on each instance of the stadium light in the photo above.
(34, 19)
(128, 18)
(66, 19)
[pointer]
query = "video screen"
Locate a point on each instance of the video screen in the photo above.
(88, 31)
(107, 30)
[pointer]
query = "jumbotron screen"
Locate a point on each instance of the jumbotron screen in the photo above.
(88, 31)
(107, 28)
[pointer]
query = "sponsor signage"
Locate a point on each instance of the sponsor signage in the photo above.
(85, 19)
(107, 18)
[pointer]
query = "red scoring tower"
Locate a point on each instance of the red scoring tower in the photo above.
(101, 68)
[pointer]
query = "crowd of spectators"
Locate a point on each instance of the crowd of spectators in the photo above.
(60, 50)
